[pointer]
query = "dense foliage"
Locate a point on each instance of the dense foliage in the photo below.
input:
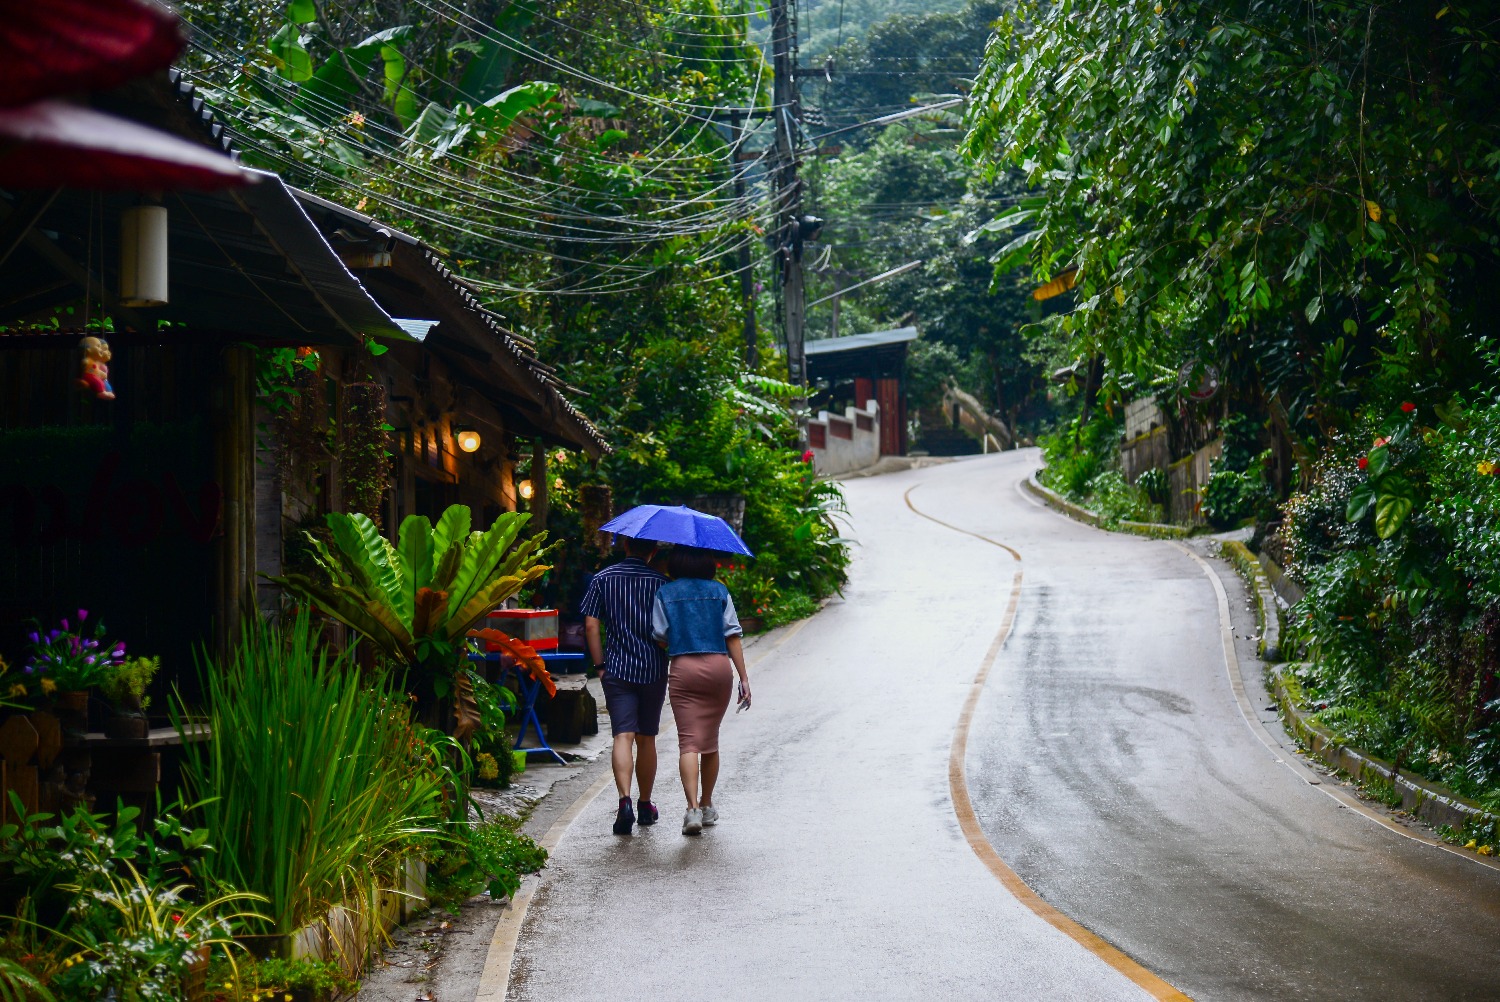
(573, 162)
(1394, 539)
(1351, 257)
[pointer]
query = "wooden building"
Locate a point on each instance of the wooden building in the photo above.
(157, 509)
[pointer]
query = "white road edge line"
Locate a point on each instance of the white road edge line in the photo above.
(1287, 756)
(494, 982)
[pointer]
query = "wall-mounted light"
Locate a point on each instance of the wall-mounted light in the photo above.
(525, 489)
(468, 441)
(143, 256)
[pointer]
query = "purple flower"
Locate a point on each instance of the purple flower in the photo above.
(65, 625)
(35, 638)
(53, 635)
(119, 648)
(83, 614)
(89, 660)
(28, 669)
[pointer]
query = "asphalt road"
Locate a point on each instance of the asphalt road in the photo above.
(1108, 763)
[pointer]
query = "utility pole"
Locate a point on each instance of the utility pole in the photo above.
(789, 236)
(747, 275)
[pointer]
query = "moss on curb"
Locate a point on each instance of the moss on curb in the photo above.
(1153, 530)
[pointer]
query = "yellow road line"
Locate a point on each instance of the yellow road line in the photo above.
(968, 821)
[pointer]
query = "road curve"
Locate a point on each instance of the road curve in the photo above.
(1107, 762)
(1112, 768)
(839, 870)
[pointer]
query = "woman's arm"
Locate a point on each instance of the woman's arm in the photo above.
(659, 623)
(737, 655)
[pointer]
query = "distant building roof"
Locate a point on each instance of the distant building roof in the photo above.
(874, 339)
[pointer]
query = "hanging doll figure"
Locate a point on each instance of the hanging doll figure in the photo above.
(95, 377)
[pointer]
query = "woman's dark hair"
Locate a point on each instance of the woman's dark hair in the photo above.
(691, 562)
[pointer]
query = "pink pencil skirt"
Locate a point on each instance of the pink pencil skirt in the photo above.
(699, 686)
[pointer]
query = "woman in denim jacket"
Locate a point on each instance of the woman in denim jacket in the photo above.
(694, 619)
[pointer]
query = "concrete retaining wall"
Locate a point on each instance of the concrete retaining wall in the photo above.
(843, 443)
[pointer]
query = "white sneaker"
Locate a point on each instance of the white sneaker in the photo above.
(710, 816)
(692, 822)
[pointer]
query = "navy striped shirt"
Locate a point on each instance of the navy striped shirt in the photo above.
(622, 595)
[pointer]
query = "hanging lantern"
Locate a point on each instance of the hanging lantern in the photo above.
(468, 441)
(525, 489)
(143, 256)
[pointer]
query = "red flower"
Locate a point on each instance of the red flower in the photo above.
(807, 457)
(1408, 407)
(1363, 462)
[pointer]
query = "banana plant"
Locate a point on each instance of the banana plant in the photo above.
(420, 599)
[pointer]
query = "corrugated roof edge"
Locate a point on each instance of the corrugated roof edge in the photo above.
(522, 349)
(850, 342)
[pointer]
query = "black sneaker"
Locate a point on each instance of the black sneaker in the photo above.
(646, 812)
(624, 817)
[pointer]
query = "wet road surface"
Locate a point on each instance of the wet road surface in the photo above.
(1108, 763)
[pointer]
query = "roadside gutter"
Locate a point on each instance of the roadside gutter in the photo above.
(1424, 799)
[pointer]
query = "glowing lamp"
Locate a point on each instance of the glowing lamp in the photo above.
(468, 441)
(525, 489)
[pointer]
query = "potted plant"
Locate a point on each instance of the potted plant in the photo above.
(125, 689)
(65, 663)
(418, 600)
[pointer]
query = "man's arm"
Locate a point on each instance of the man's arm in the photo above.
(594, 643)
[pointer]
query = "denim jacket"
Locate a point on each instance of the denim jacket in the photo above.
(694, 616)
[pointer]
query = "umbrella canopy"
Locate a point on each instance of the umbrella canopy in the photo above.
(52, 144)
(679, 524)
(68, 46)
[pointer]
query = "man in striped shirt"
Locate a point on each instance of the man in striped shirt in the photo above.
(634, 674)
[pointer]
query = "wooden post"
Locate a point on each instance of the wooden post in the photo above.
(540, 495)
(236, 474)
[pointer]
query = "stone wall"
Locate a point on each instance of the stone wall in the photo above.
(1185, 480)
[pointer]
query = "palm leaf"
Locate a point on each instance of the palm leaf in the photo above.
(524, 654)
(376, 552)
(415, 553)
(453, 527)
(351, 607)
(462, 620)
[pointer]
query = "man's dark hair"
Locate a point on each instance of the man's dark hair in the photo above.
(642, 548)
(691, 562)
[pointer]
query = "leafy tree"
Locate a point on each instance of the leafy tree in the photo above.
(1354, 250)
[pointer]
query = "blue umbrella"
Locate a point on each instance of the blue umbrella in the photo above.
(679, 524)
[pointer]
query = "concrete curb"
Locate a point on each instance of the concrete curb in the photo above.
(1267, 611)
(1154, 530)
(1431, 802)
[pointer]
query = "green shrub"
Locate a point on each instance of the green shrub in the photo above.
(1155, 483)
(1079, 452)
(98, 908)
(487, 857)
(1394, 543)
(314, 782)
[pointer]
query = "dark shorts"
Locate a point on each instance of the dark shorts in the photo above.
(634, 707)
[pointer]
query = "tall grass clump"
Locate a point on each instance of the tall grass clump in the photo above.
(312, 782)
